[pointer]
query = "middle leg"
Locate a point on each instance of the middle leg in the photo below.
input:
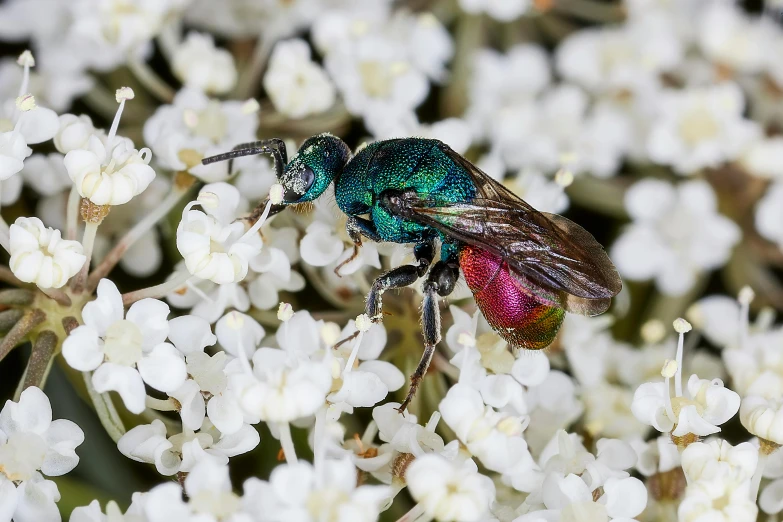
(440, 282)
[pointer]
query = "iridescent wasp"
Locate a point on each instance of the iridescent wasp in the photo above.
(525, 268)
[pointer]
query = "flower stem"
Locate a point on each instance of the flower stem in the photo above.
(40, 360)
(413, 514)
(157, 291)
(24, 326)
(755, 482)
(287, 443)
(56, 295)
(319, 446)
(72, 214)
(133, 235)
(8, 318)
(150, 80)
(104, 407)
(88, 243)
(160, 404)
(249, 79)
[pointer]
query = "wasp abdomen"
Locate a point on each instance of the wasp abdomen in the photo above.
(515, 315)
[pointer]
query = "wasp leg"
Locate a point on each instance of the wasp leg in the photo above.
(440, 282)
(397, 278)
(356, 228)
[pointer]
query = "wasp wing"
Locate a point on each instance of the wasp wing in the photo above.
(552, 257)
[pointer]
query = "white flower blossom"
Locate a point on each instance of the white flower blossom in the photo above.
(39, 254)
(198, 63)
(676, 234)
(297, 86)
(31, 441)
(449, 490)
(194, 127)
(699, 128)
(124, 351)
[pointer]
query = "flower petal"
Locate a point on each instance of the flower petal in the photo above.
(163, 368)
(124, 380)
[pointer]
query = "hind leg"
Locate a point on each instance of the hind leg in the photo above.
(440, 282)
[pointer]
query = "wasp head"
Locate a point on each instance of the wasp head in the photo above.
(319, 161)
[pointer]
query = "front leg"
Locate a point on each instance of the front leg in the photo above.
(399, 277)
(356, 228)
(440, 282)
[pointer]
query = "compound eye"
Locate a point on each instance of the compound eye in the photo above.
(298, 184)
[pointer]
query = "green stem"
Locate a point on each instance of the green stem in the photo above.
(150, 80)
(16, 335)
(104, 407)
(6, 276)
(157, 291)
(16, 297)
(9, 318)
(250, 77)
(40, 360)
(88, 243)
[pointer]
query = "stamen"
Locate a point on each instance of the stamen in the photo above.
(681, 326)
(275, 197)
(26, 60)
(122, 94)
(363, 323)
(670, 368)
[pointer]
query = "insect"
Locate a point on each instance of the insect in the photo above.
(525, 268)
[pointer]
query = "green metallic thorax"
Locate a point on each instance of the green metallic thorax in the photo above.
(410, 163)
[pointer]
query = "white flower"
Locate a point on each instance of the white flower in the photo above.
(763, 418)
(372, 69)
(769, 214)
(503, 10)
(198, 63)
(677, 233)
(449, 490)
(93, 513)
(209, 494)
(697, 128)
(764, 158)
(39, 254)
(622, 499)
(403, 432)
(707, 405)
(370, 380)
(297, 86)
(627, 58)
(109, 177)
(730, 38)
(125, 350)
(46, 174)
(195, 126)
(301, 492)
(493, 437)
(656, 456)
(213, 244)
(722, 498)
(75, 133)
(705, 460)
(30, 124)
(182, 451)
(30, 441)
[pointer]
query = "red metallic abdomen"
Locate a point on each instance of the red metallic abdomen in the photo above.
(509, 309)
